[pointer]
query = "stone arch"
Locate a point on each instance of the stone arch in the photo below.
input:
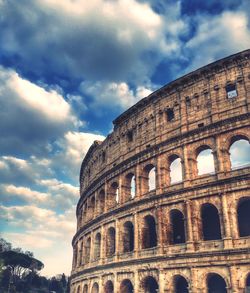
(109, 287)
(175, 169)
(84, 217)
(148, 178)
(114, 194)
(247, 283)
(150, 285)
(216, 283)
(91, 207)
(110, 243)
(177, 227)
(85, 289)
(149, 233)
(87, 250)
(205, 160)
(80, 254)
(78, 289)
(128, 236)
(97, 246)
(126, 286)
(95, 288)
(239, 150)
(211, 228)
(101, 201)
(180, 284)
(129, 186)
(243, 216)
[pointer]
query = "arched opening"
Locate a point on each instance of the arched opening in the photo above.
(84, 216)
(248, 284)
(97, 247)
(128, 237)
(175, 169)
(95, 288)
(180, 285)
(216, 284)
(150, 285)
(92, 207)
(87, 250)
(210, 222)
(109, 287)
(178, 227)
(243, 213)
(78, 289)
(126, 286)
(149, 235)
(85, 289)
(239, 152)
(110, 248)
(205, 160)
(80, 261)
(101, 201)
(148, 179)
(129, 187)
(114, 195)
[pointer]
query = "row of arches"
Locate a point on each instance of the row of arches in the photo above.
(215, 283)
(177, 234)
(119, 192)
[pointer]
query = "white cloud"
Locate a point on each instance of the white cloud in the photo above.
(218, 36)
(31, 116)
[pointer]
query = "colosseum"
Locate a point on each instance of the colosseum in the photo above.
(165, 200)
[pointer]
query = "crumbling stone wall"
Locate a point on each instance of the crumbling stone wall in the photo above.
(206, 109)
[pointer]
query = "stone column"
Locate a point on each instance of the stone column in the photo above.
(136, 236)
(161, 174)
(190, 238)
(117, 237)
(227, 239)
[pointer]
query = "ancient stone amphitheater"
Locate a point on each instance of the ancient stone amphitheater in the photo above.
(165, 198)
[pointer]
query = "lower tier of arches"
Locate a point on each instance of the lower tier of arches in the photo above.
(209, 277)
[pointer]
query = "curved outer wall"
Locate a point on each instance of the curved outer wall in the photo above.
(184, 117)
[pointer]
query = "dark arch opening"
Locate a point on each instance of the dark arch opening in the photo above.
(87, 250)
(216, 284)
(85, 289)
(126, 286)
(178, 227)
(78, 289)
(109, 287)
(95, 288)
(111, 241)
(180, 285)
(248, 284)
(243, 213)
(150, 285)
(128, 237)
(101, 201)
(210, 222)
(149, 235)
(97, 248)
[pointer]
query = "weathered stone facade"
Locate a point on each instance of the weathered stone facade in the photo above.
(186, 236)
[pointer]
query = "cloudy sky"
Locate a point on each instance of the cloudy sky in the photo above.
(67, 69)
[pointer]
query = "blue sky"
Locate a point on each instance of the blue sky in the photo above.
(67, 69)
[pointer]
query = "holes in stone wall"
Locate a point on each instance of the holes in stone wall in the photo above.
(243, 214)
(231, 91)
(175, 169)
(110, 245)
(150, 285)
(95, 288)
(170, 114)
(128, 237)
(239, 152)
(216, 284)
(149, 235)
(97, 246)
(148, 179)
(126, 286)
(130, 136)
(178, 227)
(85, 289)
(109, 287)
(87, 250)
(210, 222)
(205, 160)
(180, 285)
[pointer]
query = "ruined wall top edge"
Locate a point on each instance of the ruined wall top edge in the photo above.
(141, 125)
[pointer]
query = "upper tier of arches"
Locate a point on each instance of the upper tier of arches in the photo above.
(193, 103)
